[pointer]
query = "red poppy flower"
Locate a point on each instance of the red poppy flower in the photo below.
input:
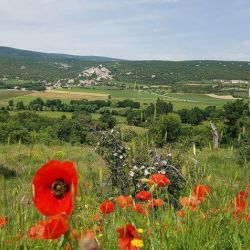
(181, 213)
(156, 203)
(239, 204)
(88, 234)
(74, 234)
(190, 202)
(55, 186)
(242, 195)
(107, 207)
(248, 188)
(159, 179)
(248, 218)
(97, 217)
(51, 228)
(139, 208)
(124, 201)
(143, 196)
(201, 192)
(3, 221)
(127, 234)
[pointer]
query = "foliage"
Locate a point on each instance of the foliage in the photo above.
(27, 126)
(113, 151)
(108, 119)
(244, 142)
(166, 129)
(232, 113)
(135, 117)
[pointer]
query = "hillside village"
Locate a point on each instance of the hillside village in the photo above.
(93, 76)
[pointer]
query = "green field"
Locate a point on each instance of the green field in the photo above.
(180, 100)
(6, 95)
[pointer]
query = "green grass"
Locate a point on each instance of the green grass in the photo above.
(207, 228)
(52, 114)
(6, 95)
(180, 100)
(119, 119)
(198, 98)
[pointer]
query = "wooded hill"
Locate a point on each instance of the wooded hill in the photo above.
(31, 65)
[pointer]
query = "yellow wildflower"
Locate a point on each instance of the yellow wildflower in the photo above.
(140, 230)
(137, 243)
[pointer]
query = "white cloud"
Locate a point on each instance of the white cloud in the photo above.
(246, 43)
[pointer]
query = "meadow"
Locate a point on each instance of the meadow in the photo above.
(6, 95)
(180, 100)
(213, 225)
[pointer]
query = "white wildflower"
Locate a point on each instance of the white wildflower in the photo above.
(162, 172)
(131, 173)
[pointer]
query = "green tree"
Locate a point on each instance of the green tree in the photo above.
(166, 129)
(233, 111)
(11, 103)
(20, 105)
(163, 107)
(84, 117)
(135, 117)
(108, 119)
(4, 115)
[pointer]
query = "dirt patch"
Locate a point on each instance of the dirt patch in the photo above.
(192, 84)
(55, 94)
(224, 97)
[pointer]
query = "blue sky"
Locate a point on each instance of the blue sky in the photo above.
(130, 29)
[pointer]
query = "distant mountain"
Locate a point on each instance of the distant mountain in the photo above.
(30, 65)
(7, 52)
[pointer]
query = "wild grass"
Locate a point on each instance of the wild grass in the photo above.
(211, 227)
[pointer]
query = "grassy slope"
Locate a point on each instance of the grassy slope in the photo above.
(205, 229)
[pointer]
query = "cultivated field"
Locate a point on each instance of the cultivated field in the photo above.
(180, 100)
(11, 94)
(223, 97)
(66, 95)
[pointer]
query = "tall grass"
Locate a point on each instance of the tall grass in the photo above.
(211, 227)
